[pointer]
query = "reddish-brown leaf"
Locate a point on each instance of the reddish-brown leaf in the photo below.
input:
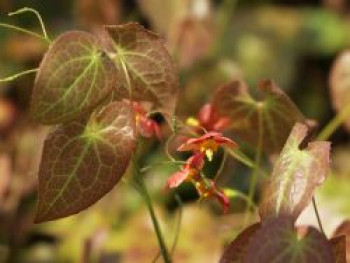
(295, 175)
(277, 241)
(145, 67)
(274, 115)
(344, 230)
(339, 248)
(74, 76)
(236, 250)
(340, 84)
(83, 161)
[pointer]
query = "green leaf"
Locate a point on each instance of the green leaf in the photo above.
(274, 115)
(74, 76)
(295, 175)
(83, 160)
(236, 250)
(148, 72)
(277, 241)
(340, 86)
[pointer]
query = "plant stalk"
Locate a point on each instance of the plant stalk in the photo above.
(317, 215)
(138, 178)
(334, 124)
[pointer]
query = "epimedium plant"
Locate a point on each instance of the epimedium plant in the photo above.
(94, 87)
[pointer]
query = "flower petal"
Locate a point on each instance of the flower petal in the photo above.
(177, 178)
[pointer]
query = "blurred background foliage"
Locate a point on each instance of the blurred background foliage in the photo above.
(293, 42)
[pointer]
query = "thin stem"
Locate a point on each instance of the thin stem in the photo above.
(36, 13)
(255, 172)
(334, 124)
(25, 31)
(144, 192)
(149, 167)
(18, 75)
(222, 166)
(178, 225)
(177, 230)
(231, 193)
(317, 215)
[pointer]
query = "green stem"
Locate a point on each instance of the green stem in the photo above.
(25, 31)
(18, 75)
(317, 215)
(334, 124)
(37, 14)
(255, 172)
(138, 178)
(244, 159)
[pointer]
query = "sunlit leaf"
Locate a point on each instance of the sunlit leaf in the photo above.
(274, 114)
(339, 248)
(344, 230)
(236, 250)
(295, 175)
(83, 161)
(340, 83)
(74, 76)
(277, 241)
(146, 67)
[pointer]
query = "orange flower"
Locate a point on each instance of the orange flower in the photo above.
(145, 125)
(209, 119)
(207, 143)
(190, 171)
(207, 189)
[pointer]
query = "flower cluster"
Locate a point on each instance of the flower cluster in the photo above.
(201, 147)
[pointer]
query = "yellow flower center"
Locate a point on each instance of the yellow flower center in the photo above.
(209, 147)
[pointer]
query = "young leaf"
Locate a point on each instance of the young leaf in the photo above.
(236, 250)
(277, 241)
(339, 248)
(295, 175)
(82, 161)
(146, 67)
(340, 83)
(274, 115)
(74, 76)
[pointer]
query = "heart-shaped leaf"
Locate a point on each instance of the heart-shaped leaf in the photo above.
(74, 76)
(82, 161)
(274, 115)
(340, 84)
(277, 241)
(295, 175)
(236, 250)
(146, 66)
